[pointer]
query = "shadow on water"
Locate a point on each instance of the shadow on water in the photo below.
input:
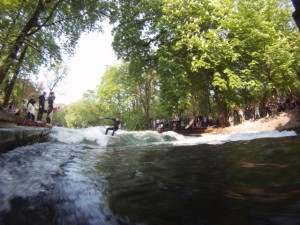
(248, 182)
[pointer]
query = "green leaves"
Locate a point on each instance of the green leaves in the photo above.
(219, 82)
(47, 28)
(185, 56)
(232, 48)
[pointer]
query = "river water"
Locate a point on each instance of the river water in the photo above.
(82, 177)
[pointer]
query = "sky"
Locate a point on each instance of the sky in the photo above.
(92, 56)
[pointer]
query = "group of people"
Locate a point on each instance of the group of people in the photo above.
(30, 106)
(256, 111)
(179, 123)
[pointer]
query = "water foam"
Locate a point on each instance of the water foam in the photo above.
(77, 136)
(96, 135)
(222, 138)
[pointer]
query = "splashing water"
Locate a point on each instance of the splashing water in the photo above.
(82, 176)
(96, 136)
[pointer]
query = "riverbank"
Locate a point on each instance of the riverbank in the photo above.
(289, 120)
(15, 131)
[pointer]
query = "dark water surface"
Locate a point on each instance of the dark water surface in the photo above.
(247, 182)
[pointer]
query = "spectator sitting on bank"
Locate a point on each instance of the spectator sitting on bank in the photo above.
(209, 120)
(161, 125)
(295, 100)
(268, 110)
(177, 122)
(287, 101)
(199, 121)
(280, 106)
(10, 108)
(241, 115)
(17, 111)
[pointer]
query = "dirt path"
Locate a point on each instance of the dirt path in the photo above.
(289, 120)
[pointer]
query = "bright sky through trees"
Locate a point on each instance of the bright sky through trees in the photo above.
(93, 54)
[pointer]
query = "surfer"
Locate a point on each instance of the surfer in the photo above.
(115, 126)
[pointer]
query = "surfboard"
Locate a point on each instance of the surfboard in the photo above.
(190, 124)
(113, 140)
(114, 137)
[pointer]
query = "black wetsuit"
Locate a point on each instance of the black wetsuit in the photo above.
(42, 101)
(114, 127)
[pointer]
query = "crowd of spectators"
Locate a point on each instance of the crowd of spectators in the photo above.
(257, 111)
(186, 122)
(28, 110)
(249, 113)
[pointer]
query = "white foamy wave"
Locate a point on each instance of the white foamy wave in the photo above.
(73, 136)
(96, 136)
(222, 138)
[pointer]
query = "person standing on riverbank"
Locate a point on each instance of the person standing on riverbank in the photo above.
(51, 99)
(42, 101)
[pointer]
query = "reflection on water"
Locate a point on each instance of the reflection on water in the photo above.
(250, 182)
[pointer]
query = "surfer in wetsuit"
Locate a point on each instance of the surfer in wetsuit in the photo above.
(115, 126)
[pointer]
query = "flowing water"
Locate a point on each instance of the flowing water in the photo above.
(82, 177)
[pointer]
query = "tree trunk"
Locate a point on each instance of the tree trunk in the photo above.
(15, 77)
(223, 117)
(144, 99)
(9, 59)
(222, 110)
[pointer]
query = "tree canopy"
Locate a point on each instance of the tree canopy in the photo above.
(181, 57)
(35, 33)
(211, 56)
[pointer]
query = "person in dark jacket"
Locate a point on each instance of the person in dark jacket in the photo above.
(42, 101)
(115, 126)
(51, 99)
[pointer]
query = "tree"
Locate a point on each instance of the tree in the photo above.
(182, 27)
(259, 35)
(187, 57)
(84, 113)
(55, 75)
(123, 94)
(223, 50)
(135, 40)
(46, 27)
(11, 83)
(296, 13)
